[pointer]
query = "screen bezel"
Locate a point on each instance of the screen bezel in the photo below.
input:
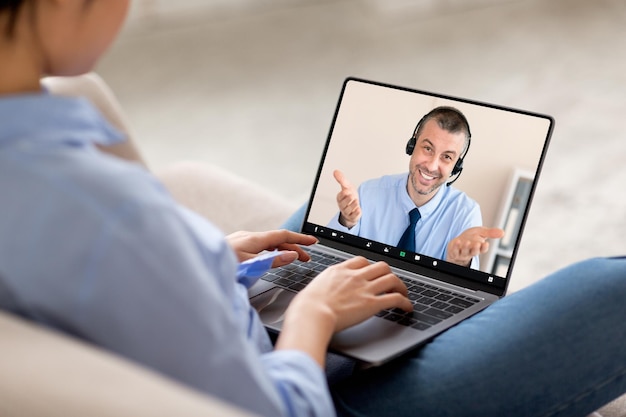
(475, 279)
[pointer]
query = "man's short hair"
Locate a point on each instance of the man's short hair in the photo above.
(449, 119)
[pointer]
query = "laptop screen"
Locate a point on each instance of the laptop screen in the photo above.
(369, 151)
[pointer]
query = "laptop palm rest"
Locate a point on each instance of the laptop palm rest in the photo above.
(368, 340)
(271, 306)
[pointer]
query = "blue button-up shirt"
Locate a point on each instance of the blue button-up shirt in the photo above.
(95, 247)
(385, 206)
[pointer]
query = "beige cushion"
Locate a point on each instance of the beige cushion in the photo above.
(45, 374)
(228, 201)
(93, 87)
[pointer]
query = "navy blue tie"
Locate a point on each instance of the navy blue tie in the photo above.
(407, 241)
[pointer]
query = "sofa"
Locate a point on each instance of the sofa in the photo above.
(45, 373)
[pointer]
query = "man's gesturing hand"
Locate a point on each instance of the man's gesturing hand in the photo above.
(470, 243)
(348, 201)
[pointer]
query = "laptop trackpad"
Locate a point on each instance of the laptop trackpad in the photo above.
(271, 306)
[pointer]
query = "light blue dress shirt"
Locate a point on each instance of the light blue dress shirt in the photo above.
(95, 247)
(385, 206)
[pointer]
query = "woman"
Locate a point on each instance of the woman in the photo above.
(92, 246)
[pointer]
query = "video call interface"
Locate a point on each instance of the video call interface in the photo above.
(368, 141)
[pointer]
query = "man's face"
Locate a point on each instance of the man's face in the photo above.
(436, 151)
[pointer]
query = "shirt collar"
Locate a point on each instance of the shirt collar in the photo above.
(426, 209)
(54, 119)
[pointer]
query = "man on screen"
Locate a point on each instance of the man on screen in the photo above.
(412, 210)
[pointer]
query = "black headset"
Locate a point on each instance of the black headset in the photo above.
(458, 166)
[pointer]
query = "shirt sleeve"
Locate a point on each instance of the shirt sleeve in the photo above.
(249, 272)
(165, 295)
(334, 224)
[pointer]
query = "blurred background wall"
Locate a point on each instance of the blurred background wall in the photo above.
(251, 85)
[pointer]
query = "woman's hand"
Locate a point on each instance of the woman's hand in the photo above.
(355, 290)
(247, 245)
(341, 296)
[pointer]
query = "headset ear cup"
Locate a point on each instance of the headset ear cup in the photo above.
(456, 171)
(410, 146)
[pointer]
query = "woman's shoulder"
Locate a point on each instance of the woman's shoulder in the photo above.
(99, 183)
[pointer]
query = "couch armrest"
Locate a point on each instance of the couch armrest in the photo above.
(92, 87)
(228, 201)
(45, 374)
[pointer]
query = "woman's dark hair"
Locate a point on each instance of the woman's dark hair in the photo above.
(12, 9)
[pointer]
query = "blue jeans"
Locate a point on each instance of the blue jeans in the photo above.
(555, 348)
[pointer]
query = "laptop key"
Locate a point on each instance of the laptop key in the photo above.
(426, 300)
(312, 273)
(443, 297)
(461, 303)
(454, 309)
(430, 293)
(298, 286)
(325, 261)
(301, 270)
(420, 326)
(426, 319)
(438, 313)
(289, 267)
(270, 277)
(407, 321)
(298, 278)
(284, 282)
(393, 317)
(419, 307)
(440, 305)
(284, 273)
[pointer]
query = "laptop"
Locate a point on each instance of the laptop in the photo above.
(372, 125)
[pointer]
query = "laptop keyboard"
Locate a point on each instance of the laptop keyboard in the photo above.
(431, 304)
(297, 274)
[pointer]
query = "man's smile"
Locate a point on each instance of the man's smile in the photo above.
(425, 175)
